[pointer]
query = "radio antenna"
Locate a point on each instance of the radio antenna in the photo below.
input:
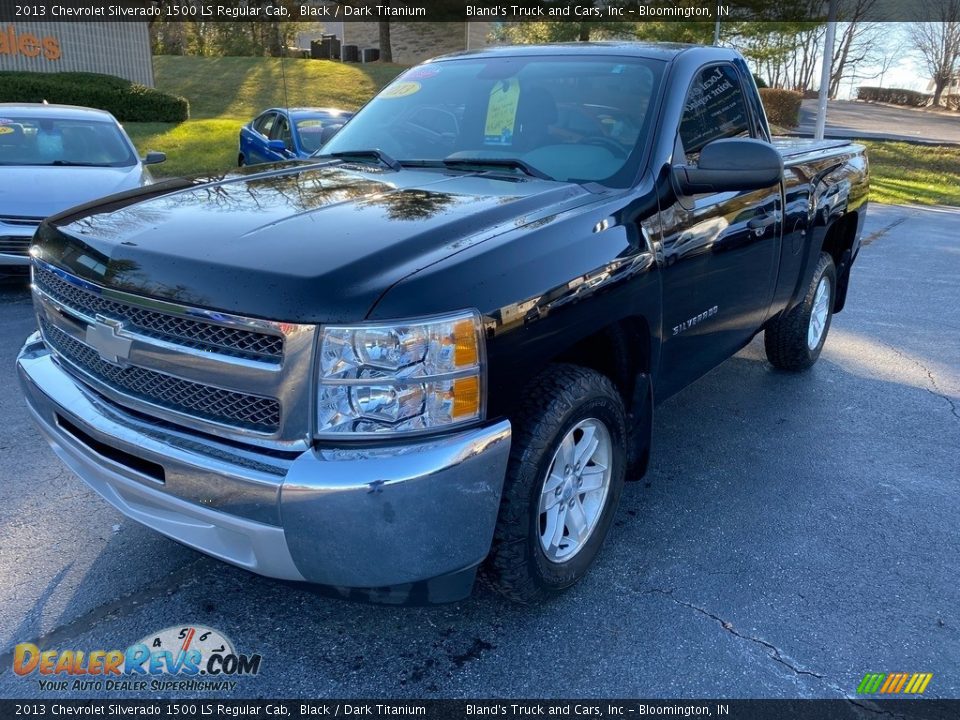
(283, 70)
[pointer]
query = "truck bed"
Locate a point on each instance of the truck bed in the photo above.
(793, 148)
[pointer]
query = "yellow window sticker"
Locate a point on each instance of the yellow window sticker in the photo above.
(5, 129)
(401, 89)
(502, 112)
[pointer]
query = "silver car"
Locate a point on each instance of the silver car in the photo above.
(53, 157)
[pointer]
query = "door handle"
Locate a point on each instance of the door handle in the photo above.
(761, 222)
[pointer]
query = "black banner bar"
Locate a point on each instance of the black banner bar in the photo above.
(578, 11)
(917, 709)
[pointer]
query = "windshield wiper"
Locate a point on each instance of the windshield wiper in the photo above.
(70, 163)
(373, 153)
(514, 163)
(57, 163)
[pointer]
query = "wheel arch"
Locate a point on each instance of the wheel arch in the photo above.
(620, 350)
(839, 242)
(623, 352)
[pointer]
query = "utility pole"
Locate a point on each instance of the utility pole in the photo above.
(716, 33)
(825, 70)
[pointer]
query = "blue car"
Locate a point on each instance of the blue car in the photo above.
(286, 133)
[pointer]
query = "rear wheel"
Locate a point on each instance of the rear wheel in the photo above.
(794, 340)
(564, 479)
(241, 161)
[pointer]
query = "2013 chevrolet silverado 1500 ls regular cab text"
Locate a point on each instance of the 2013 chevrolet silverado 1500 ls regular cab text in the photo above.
(436, 346)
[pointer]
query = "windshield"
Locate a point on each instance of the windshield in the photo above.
(310, 130)
(55, 141)
(576, 120)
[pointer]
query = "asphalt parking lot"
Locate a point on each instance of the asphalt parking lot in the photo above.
(793, 534)
(853, 119)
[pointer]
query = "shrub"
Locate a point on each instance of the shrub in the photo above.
(782, 106)
(895, 96)
(127, 101)
(761, 83)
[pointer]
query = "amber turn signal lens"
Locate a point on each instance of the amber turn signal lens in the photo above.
(466, 397)
(465, 352)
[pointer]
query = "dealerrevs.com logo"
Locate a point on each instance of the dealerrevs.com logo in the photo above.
(192, 657)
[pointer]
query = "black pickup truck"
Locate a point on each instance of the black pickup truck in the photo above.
(436, 346)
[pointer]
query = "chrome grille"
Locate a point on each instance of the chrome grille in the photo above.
(182, 331)
(12, 245)
(251, 412)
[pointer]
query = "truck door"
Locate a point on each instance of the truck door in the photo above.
(720, 250)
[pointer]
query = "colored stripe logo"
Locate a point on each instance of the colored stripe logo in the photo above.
(894, 683)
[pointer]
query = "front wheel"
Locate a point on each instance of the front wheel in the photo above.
(563, 484)
(794, 340)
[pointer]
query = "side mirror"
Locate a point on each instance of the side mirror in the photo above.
(276, 145)
(154, 158)
(731, 164)
(328, 132)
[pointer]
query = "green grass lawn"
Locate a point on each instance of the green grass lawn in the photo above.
(225, 93)
(914, 174)
(241, 87)
(193, 148)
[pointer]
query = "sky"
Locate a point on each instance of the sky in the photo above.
(908, 73)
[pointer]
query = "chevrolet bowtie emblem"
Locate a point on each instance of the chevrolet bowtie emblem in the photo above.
(103, 336)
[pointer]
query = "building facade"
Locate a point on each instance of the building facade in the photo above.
(119, 48)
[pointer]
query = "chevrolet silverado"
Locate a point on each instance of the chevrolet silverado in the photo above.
(435, 347)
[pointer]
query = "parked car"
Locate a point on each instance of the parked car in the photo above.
(439, 347)
(53, 157)
(285, 133)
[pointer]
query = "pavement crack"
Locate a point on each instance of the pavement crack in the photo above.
(774, 652)
(934, 388)
(882, 231)
(123, 605)
(940, 394)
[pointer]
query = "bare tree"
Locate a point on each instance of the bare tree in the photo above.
(889, 55)
(858, 39)
(807, 58)
(938, 42)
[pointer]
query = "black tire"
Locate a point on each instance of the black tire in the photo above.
(555, 403)
(241, 161)
(785, 338)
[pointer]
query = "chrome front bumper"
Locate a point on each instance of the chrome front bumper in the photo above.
(401, 523)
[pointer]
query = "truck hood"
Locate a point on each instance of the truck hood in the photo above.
(31, 191)
(301, 243)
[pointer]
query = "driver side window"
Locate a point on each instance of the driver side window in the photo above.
(715, 108)
(264, 123)
(281, 131)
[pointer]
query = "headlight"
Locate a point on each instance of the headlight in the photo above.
(404, 377)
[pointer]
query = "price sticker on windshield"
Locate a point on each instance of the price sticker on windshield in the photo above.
(401, 89)
(502, 112)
